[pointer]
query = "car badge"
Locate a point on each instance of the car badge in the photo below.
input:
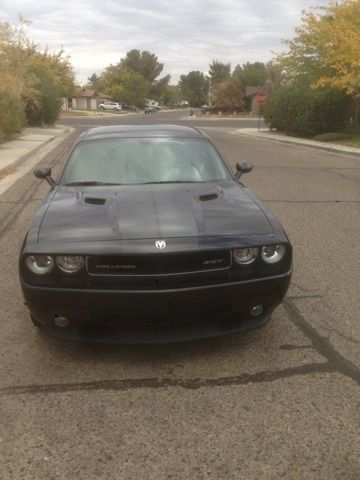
(160, 244)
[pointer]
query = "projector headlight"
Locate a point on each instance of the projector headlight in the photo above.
(273, 253)
(39, 264)
(70, 263)
(245, 256)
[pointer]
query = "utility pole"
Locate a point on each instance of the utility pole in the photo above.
(209, 93)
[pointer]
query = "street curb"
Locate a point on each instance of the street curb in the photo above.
(22, 158)
(307, 143)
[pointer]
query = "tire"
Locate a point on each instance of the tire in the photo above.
(35, 322)
(102, 108)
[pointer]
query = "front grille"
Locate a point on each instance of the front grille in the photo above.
(159, 264)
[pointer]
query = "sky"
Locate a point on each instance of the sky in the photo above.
(186, 35)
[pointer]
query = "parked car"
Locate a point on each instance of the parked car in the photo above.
(148, 236)
(116, 107)
(150, 109)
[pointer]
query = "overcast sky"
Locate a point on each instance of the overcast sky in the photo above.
(185, 34)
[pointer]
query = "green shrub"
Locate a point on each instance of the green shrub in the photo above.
(44, 105)
(353, 128)
(305, 112)
(12, 117)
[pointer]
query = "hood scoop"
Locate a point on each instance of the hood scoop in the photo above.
(208, 196)
(94, 201)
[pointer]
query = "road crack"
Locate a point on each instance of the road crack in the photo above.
(322, 345)
(155, 383)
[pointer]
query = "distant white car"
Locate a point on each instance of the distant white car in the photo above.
(115, 107)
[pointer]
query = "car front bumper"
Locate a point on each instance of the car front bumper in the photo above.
(155, 316)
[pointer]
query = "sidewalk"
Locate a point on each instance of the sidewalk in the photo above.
(277, 137)
(28, 142)
(19, 156)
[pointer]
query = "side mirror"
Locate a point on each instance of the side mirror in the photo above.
(44, 172)
(243, 167)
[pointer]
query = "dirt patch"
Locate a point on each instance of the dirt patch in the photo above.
(6, 171)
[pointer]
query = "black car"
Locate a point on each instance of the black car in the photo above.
(148, 236)
(151, 109)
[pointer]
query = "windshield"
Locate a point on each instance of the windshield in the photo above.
(129, 161)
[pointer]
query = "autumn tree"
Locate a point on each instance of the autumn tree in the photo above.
(12, 82)
(325, 51)
(275, 76)
(229, 95)
(32, 80)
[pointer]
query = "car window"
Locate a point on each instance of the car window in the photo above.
(144, 160)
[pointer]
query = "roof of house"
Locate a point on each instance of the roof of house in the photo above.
(89, 93)
(253, 90)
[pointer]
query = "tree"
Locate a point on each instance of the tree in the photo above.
(194, 88)
(124, 85)
(219, 71)
(158, 87)
(12, 83)
(171, 95)
(42, 107)
(326, 49)
(251, 74)
(145, 63)
(110, 81)
(134, 89)
(93, 81)
(34, 80)
(275, 76)
(145, 69)
(229, 95)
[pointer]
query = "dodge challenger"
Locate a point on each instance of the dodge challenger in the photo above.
(148, 236)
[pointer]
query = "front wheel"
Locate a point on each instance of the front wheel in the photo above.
(35, 322)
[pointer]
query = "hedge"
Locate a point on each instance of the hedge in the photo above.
(305, 112)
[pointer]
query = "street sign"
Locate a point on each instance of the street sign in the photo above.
(261, 98)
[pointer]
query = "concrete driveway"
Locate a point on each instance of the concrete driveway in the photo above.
(281, 402)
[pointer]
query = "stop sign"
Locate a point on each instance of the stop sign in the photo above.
(261, 98)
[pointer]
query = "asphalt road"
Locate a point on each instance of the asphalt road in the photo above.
(178, 117)
(281, 402)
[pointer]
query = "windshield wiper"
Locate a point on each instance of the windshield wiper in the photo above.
(171, 181)
(89, 184)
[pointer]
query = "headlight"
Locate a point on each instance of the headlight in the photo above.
(70, 263)
(245, 256)
(40, 264)
(272, 253)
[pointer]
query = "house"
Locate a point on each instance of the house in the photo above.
(88, 99)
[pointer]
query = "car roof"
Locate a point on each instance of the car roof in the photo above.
(141, 131)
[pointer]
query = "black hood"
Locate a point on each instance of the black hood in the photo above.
(136, 212)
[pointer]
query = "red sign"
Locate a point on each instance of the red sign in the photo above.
(261, 98)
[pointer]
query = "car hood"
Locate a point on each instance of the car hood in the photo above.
(151, 211)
